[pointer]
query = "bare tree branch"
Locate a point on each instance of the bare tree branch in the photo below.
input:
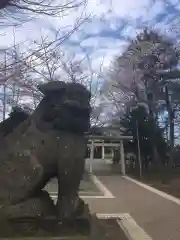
(46, 7)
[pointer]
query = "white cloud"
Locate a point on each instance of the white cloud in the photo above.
(102, 35)
(130, 8)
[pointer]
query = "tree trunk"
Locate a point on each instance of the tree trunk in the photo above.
(4, 102)
(156, 157)
(171, 125)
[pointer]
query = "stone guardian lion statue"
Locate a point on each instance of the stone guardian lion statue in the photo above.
(49, 143)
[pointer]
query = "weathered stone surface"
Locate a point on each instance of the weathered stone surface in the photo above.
(16, 117)
(19, 175)
(67, 109)
(49, 143)
(44, 225)
(39, 206)
(96, 229)
(51, 86)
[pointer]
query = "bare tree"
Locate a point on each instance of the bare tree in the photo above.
(136, 76)
(52, 63)
(135, 72)
(47, 7)
(21, 73)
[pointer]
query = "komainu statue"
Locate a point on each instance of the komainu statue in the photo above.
(17, 116)
(49, 143)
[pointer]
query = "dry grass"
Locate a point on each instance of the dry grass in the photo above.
(167, 182)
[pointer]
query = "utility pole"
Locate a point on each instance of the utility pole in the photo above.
(139, 150)
(4, 90)
(138, 145)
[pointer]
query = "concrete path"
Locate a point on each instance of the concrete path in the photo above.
(158, 216)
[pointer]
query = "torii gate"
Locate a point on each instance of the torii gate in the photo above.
(93, 144)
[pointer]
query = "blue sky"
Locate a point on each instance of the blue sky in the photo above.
(110, 25)
(106, 33)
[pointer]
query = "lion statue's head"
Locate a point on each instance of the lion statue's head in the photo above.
(65, 106)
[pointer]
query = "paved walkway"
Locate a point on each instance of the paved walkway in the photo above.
(159, 217)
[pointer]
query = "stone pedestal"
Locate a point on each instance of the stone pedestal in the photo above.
(45, 226)
(90, 228)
